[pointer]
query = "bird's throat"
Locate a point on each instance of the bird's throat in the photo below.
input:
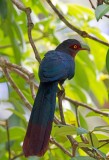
(73, 54)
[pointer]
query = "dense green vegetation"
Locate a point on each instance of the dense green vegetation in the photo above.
(90, 84)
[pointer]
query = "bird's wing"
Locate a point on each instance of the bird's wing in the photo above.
(56, 66)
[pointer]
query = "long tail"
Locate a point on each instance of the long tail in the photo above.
(40, 124)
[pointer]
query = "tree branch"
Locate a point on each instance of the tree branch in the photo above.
(20, 6)
(86, 106)
(61, 147)
(3, 65)
(8, 139)
(92, 4)
(73, 142)
(17, 156)
(84, 34)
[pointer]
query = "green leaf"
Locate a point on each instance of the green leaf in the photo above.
(65, 130)
(93, 140)
(101, 153)
(16, 133)
(81, 131)
(101, 10)
(15, 46)
(83, 122)
(102, 128)
(83, 158)
(40, 7)
(18, 114)
(83, 145)
(99, 127)
(3, 8)
(81, 75)
(107, 61)
(92, 113)
(19, 34)
(79, 11)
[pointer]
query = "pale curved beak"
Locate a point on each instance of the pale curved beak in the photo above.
(85, 47)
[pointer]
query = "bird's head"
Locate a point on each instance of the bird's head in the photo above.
(72, 46)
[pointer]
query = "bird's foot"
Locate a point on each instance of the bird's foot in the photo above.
(61, 92)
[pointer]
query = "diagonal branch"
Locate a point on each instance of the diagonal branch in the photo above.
(76, 103)
(61, 147)
(84, 34)
(3, 65)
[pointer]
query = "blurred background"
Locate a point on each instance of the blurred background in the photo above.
(90, 84)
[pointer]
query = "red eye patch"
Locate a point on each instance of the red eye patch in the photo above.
(75, 46)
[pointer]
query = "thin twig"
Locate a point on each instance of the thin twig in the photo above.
(30, 27)
(73, 142)
(8, 139)
(92, 4)
(27, 10)
(84, 34)
(86, 106)
(28, 76)
(17, 156)
(19, 72)
(24, 70)
(32, 89)
(60, 97)
(28, 105)
(91, 140)
(61, 147)
(103, 145)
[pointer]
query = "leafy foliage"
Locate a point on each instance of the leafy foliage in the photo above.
(101, 10)
(90, 84)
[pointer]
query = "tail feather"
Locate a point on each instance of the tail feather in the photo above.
(40, 124)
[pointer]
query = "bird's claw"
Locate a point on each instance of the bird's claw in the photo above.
(61, 92)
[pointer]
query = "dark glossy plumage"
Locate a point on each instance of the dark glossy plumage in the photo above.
(57, 66)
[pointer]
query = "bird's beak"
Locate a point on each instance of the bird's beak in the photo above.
(85, 47)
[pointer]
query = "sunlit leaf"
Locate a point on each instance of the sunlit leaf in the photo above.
(83, 122)
(83, 145)
(65, 130)
(16, 133)
(83, 158)
(93, 140)
(91, 113)
(107, 61)
(80, 12)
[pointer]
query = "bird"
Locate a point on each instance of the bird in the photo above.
(56, 66)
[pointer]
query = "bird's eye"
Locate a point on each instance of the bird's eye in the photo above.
(75, 46)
